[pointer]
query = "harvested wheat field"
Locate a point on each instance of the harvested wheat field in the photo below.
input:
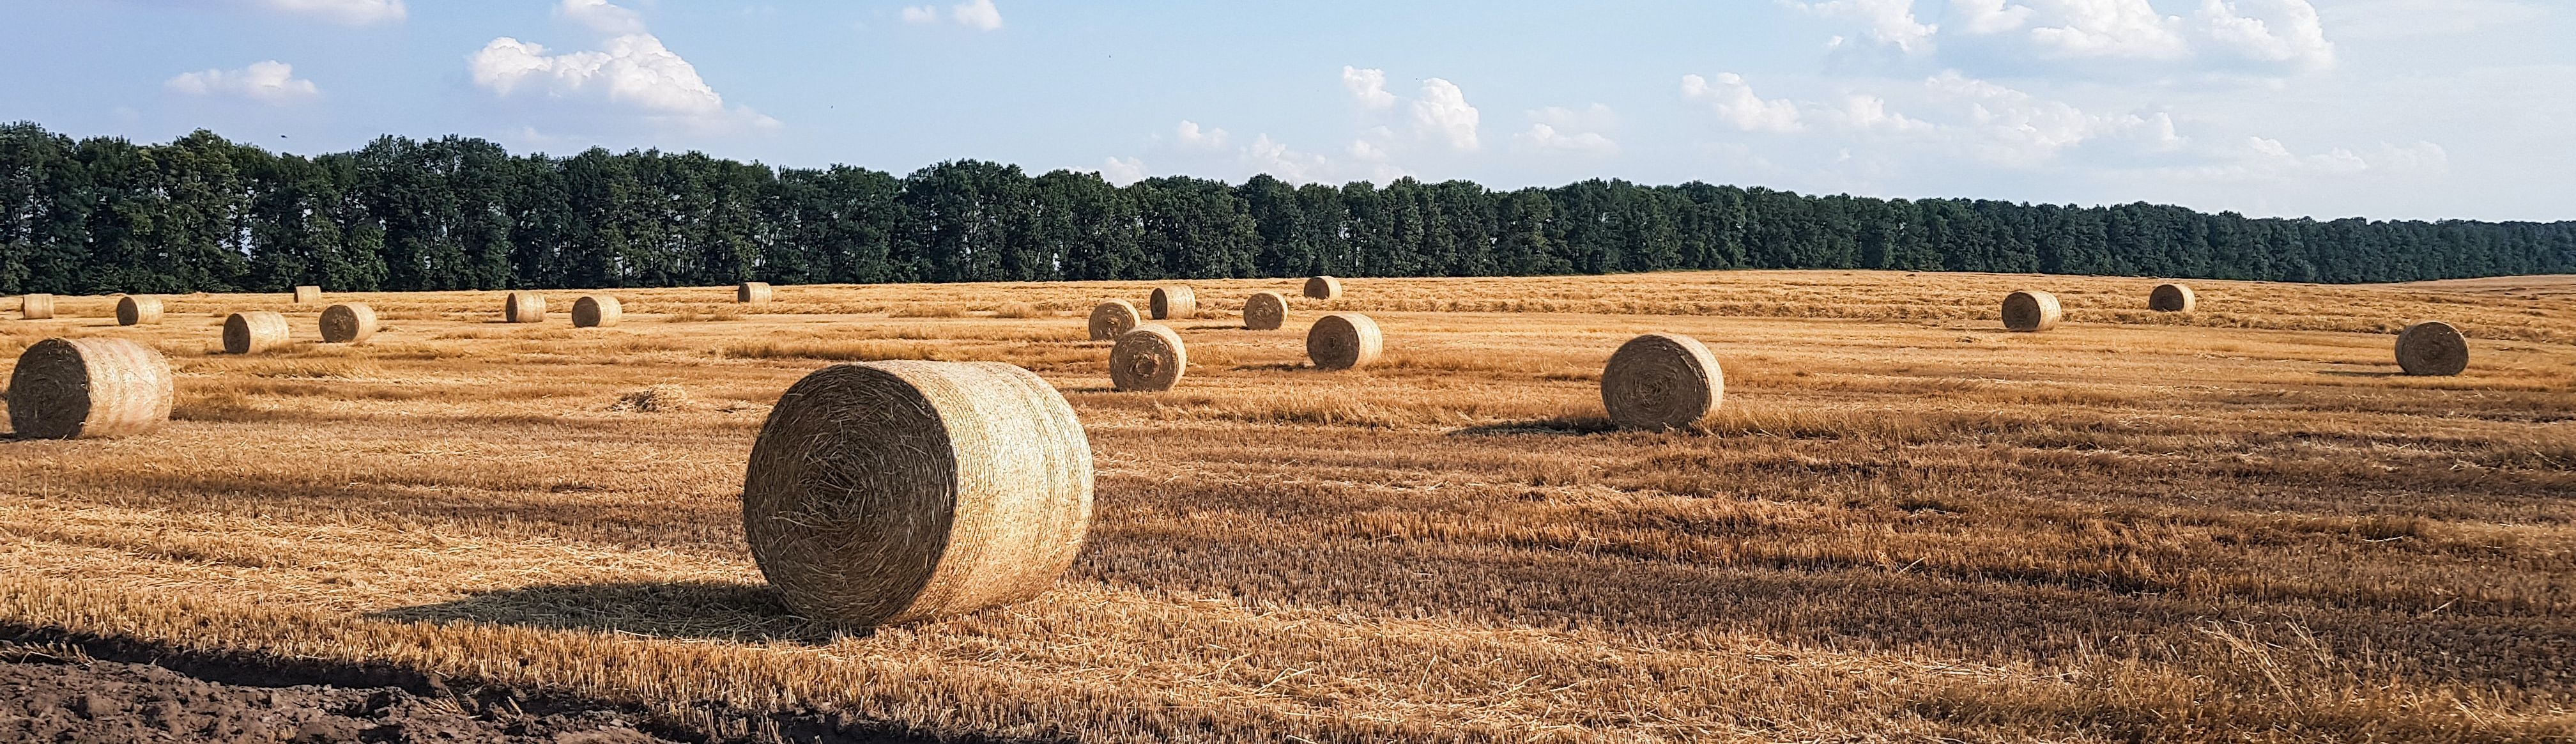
(2241, 522)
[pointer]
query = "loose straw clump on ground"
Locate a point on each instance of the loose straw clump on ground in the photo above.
(524, 307)
(79, 388)
(35, 306)
(1174, 303)
(348, 323)
(138, 310)
(1148, 358)
(1661, 381)
(755, 293)
(1323, 288)
(892, 492)
(1344, 341)
(1264, 311)
(656, 399)
(308, 294)
(596, 311)
(253, 332)
(2172, 298)
(1112, 318)
(2432, 348)
(2031, 311)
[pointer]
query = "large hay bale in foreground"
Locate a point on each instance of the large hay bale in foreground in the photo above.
(1323, 288)
(596, 311)
(348, 323)
(36, 306)
(2031, 311)
(1111, 319)
(2172, 298)
(1264, 311)
(308, 295)
(1174, 302)
(2432, 348)
(80, 388)
(891, 492)
(1661, 381)
(1148, 358)
(253, 332)
(138, 310)
(524, 307)
(1344, 341)
(755, 293)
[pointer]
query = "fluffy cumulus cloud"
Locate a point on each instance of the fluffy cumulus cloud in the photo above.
(2273, 36)
(601, 16)
(975, 14)
(1442, 114)
(1368, 87)
(632, 71)
(352, 12)
(1888, 22)
(270, 82)
(2266, 160)
(1192, 136)
(1561, 130)
(1737, 105)
(1123, 171)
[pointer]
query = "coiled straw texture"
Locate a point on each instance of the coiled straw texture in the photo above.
(2432, 348)
(80, 388)
(596, 311)
(1661, 381)
(892, 492)
(1323, 288)
(1264, 311)
(1344, 341)
(2172, 298)
(1148, 358)
(348, 323)
(2030, 311)
(1111, 319)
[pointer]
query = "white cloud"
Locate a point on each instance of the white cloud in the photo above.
(1442, 112)
(1194, 137)
(1546, 139)
(1988, 17)
(2389, 19)
(2289, 33)
(1369, 86)
(1557, 129)
(1365, 151)
(1888, 22)
(1738, 105)
(1274, 158)
(600, 16)
(2011, 128)
(1123, 171)
(1870, 114)
(2260, 159)
(352, 12)
(2108, 28)
(634, 71)
(271, 82)
(975, 14)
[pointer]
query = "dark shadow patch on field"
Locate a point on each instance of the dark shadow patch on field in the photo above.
(1563, 426)
(2365, 375)
(1283, 367)
(704, 610)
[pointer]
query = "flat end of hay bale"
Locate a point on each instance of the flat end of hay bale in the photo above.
(2031, 311)
(1344, 341)
(1265, 311)
(2172, 298)
(1661, 381)
(1112, 318)
(348, 323)
(1148, 358)
(88, 388)
(2432, 349)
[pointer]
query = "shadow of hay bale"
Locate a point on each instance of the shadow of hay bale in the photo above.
(687, 609)
(1562, 426)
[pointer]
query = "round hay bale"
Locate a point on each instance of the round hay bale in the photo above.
(1174, 302)
(892, 492)
(1344, 341)
(254, 332)
(2172, 298)
(524, 307)
(348, 323)
(35, 306)
(2031, 311)
(85, 388)
(1112, 319)
(138, 310)
(756, 293)
(1661, 381)
(308, 294)
(1323, 288)
(2432, 348)
(1264, 311)
(596, 311)
(1148, 358)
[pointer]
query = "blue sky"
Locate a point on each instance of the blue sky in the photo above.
(2327, 108)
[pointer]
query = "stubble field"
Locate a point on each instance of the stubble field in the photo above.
(2238, 523)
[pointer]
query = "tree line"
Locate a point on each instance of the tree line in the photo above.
(201, 213)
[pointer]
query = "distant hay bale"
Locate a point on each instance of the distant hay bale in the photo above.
(138, 310)
(1344, 341)
(754, 293)
(2432, 349)
(348, 323)
(308, 294)
(1264, 311)
(596, 311)
(254, 332)
(892, 492)
(2172, 298)
(1148, 358)
(1661, 381)
(2030, 311)
(85, 388)
(524, 307)
(1113, 318)
(1174, 302)
(1323, 288)
(36, 306)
